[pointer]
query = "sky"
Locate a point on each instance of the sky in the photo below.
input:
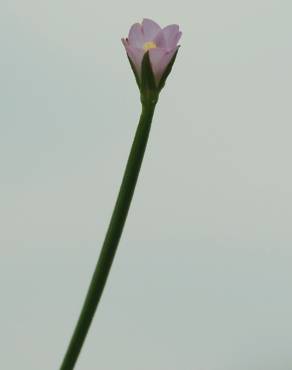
(202, 277)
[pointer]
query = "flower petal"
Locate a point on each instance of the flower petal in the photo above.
(135, 54)
(136, 37)
(150, 29)
(160, 59)
(156, 56)
(160, 40)
(171, 35)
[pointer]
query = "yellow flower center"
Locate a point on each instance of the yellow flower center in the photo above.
(149, 45)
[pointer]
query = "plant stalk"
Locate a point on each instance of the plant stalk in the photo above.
(112, 237)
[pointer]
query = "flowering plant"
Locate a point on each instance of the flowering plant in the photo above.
(151, 51)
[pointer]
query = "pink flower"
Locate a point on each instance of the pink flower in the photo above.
(160, 42)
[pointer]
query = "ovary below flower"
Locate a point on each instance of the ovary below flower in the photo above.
(161, 43)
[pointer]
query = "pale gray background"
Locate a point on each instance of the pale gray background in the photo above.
(202, 278)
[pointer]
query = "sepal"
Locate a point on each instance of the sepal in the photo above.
(147, 76)
(134, 71)
(149, 91)
(167, 71)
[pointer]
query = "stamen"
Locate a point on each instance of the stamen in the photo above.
(149, 45)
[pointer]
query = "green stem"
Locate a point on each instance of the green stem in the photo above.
(112, 236)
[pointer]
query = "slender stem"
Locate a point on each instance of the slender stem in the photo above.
(112, 236)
